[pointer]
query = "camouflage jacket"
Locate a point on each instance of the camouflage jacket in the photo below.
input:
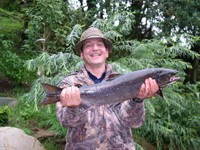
(105, 127)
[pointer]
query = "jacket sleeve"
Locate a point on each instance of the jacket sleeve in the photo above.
(130, 113)
(70, 117)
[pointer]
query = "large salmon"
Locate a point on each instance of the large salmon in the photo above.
(117, 89)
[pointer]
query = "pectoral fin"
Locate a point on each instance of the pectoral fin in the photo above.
(160, 93)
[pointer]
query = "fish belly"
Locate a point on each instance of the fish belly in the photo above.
(109, 94)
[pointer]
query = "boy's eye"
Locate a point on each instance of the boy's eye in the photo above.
(90, 45)
(100, 44)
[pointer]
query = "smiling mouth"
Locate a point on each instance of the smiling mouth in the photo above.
(95, 55)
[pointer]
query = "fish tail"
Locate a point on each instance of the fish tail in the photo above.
(52, 94)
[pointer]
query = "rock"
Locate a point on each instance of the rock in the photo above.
(15, 139)
(7, 101)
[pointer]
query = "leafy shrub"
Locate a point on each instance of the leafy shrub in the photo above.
(12, 66)
(3, 115)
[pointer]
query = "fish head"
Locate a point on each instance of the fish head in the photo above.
(165, 77)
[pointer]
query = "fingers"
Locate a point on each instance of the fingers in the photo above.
(148, 89)
(147, 86)
(152, 87)
(70, 97)
(142, 92)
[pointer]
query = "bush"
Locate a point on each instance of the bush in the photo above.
(3, 115)
(12, 67)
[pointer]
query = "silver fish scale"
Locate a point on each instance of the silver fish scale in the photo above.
(123, 87)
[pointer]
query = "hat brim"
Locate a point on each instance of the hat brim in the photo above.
(79, 45)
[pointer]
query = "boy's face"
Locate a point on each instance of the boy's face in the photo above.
(94, 52)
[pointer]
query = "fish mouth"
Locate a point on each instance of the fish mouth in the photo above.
(173, 79)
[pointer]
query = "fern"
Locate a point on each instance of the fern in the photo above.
(74, 34)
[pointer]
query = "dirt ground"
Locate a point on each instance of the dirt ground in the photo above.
(5, 85)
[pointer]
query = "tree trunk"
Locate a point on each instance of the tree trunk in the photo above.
(192, 75)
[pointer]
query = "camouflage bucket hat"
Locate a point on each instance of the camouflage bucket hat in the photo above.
(92, 33)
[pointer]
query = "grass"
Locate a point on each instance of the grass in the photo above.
(9, 21)
(15, 92)
(8, 24)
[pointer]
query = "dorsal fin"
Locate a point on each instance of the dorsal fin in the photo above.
(113, 76)
(78, 85)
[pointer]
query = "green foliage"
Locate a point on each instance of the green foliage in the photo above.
(172, 120)
(49, 144)
(73, 37)
(11, 63)
(9, 22)
(11, 5)
(180, 16)
(3, 115)
(58, 65)
(10, 28)
(12, 67)
(50, 65)
(47, 26)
